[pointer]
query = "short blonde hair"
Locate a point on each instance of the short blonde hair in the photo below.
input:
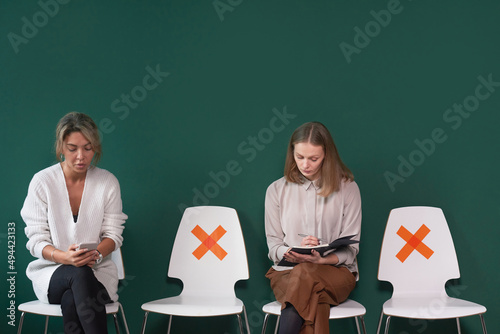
(333, 170)
(78, 122)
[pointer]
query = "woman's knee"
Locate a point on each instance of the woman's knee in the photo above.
(82, 274)
(305, 269)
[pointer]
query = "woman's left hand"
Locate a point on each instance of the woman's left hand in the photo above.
(315, 257)
(92, 262)
(301, 258)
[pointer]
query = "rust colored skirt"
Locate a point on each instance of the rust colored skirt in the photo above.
(311, 289)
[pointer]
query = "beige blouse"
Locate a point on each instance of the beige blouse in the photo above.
(292, 209)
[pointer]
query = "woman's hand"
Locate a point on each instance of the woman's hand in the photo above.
(301, 258)
(309, 241)
(315, 257)
(78, 258)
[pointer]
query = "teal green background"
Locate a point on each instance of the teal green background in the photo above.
(230, 65)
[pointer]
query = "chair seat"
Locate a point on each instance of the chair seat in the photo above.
(194, 306)
(54, 310)
(347, 309)
(439, 307)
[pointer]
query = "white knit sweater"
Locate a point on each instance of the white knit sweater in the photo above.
(49, 221)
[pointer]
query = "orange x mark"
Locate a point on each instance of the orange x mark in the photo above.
(209, 242)
(414, 241)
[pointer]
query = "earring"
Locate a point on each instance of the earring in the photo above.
(61, 157)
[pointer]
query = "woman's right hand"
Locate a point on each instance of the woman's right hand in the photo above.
(78, 258)
(309, 241)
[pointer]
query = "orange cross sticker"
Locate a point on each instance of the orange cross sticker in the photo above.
(209, 242)
(414, 241)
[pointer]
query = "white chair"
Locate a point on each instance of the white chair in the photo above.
(54, 310)
(347, 309)
(418, 257)
(209, 257)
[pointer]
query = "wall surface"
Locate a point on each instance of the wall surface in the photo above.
(183, 91)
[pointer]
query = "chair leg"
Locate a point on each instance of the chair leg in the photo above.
(246, 319)
(458, 326)
(483, 324)
(144, 322)
(124, 319)
(117, 327)
(387, 324)
(240, 324)
(21, 323)
(264, 323)
(357, 324)
(46, 324)
(169, 324)
(363, 324)
(380, 321)
(277, 324)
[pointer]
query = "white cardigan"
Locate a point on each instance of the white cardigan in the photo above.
(49, 221)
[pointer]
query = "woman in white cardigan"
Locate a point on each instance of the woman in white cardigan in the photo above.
(71, 203)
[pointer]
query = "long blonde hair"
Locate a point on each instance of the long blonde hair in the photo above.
(333, 170)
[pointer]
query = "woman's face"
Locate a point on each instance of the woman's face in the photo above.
(309, 158)
(78, 153)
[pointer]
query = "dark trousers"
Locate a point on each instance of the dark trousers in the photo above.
(82, 298)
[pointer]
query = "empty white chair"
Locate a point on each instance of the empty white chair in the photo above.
(209, 257)
(418, 257)
(54, 310)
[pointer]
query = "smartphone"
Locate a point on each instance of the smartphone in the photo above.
(88, 245)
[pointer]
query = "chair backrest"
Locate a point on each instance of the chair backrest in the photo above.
(116, 257)
(209, 254)
(417, 255)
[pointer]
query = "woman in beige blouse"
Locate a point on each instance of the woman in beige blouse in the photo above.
(318, 198)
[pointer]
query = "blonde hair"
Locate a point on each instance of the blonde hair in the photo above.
(78, 122)
(332, 171)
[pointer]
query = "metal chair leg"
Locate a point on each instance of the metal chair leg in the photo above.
(124, 319)
(387, 324)
(240, 323)
(363, 324)
(117, 326)
(357, 324)
(458, 326)
(246, 319)
(483, 324)
(277, 324)
(380, 321)
(264, 323)
(169, 324)
(21, 320)
(46, 324)
(144, 322)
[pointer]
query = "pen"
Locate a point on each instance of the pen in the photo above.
(305, 235)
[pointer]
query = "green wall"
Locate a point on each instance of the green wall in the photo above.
(183, 90)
